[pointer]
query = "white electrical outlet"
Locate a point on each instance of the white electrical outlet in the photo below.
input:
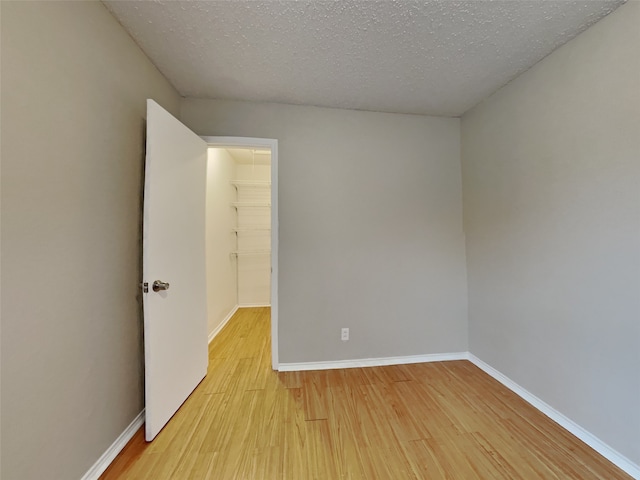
(345, 334)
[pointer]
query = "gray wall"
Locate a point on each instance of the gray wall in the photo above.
(370, 216)
(73, 106)
(551, 168)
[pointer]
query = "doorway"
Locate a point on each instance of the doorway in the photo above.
(242, 230)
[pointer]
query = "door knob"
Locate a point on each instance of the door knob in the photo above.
(158, 286)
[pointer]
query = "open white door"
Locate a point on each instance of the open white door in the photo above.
(175, 308)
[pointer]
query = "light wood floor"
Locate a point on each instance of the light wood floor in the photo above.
(446, 420)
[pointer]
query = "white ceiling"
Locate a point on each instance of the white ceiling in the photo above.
(436, 57)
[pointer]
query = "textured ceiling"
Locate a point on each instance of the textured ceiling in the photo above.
(428, 57)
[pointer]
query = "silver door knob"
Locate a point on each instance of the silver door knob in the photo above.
(158, 285)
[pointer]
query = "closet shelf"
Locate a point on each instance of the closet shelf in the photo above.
(248, 183)
(250, 204)
(251, 252)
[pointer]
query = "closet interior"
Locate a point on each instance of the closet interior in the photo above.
(252, 228)
(238, 231)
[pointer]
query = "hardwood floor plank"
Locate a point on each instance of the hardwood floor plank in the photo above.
(443, 420)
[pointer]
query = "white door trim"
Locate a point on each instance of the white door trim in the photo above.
(250, 142)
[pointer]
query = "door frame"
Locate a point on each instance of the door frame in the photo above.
(272, 144)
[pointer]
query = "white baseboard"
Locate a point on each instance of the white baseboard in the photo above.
(372, 362)
(217, 330)
(254, 305)
(599, 446)
(116, 447)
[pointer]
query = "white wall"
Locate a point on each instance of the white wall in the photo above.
(551, 167)
(74, 89)
(370, 215)
(254, 271)
(222, 297)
